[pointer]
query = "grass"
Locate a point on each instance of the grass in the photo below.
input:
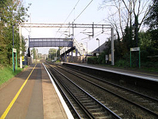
(125, 65)
(6, 73)
(145, 69)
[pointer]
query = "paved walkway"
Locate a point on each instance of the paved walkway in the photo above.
(137, 72)
(30, 96)
(131, 71)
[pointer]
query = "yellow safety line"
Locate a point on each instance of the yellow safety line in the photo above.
(16, 96)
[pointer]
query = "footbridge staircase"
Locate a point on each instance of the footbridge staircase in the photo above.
(80, 49)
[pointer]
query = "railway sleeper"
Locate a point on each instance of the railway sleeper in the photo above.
(103, 115)
(143, 100)
(89, 103)
(91, 107)
(156, 108)
(96, 109)
(99, 113)
(85, 100)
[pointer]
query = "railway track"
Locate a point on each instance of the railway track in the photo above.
(84, 104)
(143, 106)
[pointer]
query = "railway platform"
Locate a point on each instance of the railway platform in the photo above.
(31, 95)
(121, 76)
(134, 73)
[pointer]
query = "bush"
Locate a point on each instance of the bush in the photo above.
(122, 63)
(101, 58)
(92, 60)
(150, 64)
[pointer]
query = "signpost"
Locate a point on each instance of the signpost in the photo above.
(134, 50)
(14, 51)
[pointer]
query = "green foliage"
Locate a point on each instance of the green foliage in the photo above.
(92, 60)
(148, 45)
(12, 13)
(152, 18)
(7, 73)
(58, 61)
(34, 53)
(101, 58)
(147, 41)
(52, 53)
(122, 63)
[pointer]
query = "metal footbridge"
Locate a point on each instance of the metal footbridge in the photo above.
(68, 44)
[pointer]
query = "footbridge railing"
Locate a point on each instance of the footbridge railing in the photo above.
(50, 42)
(76, 45)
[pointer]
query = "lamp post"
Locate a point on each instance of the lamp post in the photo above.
(112, 46)
(13, 48)
(98, 45)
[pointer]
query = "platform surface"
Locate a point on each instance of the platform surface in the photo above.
(37, 99)
(135, 73)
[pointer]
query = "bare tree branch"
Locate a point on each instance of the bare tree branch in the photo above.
(146, 13)
(139, 7)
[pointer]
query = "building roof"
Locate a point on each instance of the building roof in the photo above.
(101, 48)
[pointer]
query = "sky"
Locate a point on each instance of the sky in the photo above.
(57, 11)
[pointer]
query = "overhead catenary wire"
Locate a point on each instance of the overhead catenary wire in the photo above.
(83, 10)
(71, 11)
(69, 14)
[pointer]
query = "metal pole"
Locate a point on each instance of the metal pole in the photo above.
(139, 59)
(130, 59)
(112, 46)
(13, 59)
(16, 61)
(136, 30)
(99, 45)
(13, 35)
(13, 48)
(73, 30)
(20, 46)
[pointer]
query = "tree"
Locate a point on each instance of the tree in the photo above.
(12, 13)
(152, 18)
(34, 52)
(52, 53)
(152, 22)
(126, 13)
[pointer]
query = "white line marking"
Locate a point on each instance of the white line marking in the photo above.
(68, 113)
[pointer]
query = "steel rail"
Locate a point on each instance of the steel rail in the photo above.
(88, 114)
(142, 107)
(100, 79)
(62, 92)
(115, 116)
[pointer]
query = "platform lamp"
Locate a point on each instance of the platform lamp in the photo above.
(98, 45)
(12, 49)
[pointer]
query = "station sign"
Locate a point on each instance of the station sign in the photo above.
(135, 49)
(14, 50)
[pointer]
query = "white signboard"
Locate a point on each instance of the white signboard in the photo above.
(109, 57)
(14, 50)
(106, 57)
(135, 49)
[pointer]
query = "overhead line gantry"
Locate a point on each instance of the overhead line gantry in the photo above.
(72, 26)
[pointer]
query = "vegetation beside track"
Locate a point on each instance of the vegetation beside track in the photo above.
(6, 73)
(124, 64)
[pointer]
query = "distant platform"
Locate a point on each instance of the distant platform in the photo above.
(136, 74)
